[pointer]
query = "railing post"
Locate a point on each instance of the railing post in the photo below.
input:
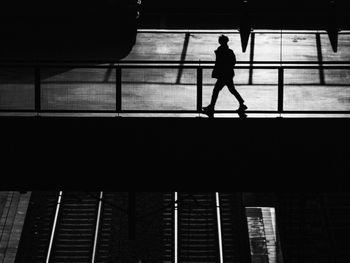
(199, 88)
(118, 93)
(280, 89)
(218, 219)
(37, 90)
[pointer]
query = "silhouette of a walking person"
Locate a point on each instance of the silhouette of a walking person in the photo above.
(223, 71)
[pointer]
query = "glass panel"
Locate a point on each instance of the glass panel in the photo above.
(158, 46)
(257, 87)
(184, 46)
(159, 89)
(317, 89)
(17, 88)
(342, 54)
(299, 47)
(267, 46)
(78, 89)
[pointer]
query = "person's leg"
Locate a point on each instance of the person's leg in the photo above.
(232, 89)
(217, 88)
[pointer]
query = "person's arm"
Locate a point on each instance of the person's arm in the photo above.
(216, 57)
(214, 72)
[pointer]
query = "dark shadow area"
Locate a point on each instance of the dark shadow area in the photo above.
(108, 74)
(26, 75)
(183, 56)
(140, 225)
(320, 57)
(83, 30)
(168, 153)
(226, 14)
(333, 26)
(86, 31)
(245, 26)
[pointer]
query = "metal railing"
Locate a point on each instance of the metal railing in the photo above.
(53, 234)
(58, 206)
(199, 66)
(97, 228)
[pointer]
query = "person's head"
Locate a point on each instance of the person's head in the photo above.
(223, 40)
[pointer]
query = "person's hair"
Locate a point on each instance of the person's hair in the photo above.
(223, 40)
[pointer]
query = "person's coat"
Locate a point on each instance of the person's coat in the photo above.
(224, 63)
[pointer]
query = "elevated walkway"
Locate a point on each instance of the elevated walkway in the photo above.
(168, 72)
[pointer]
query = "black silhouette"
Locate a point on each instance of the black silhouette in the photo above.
(224, 72)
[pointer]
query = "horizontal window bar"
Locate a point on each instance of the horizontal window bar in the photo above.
(179, 111)
(92, 63)
(71, 66)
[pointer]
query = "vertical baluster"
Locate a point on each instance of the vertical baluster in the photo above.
(199, 88)
(280, 89)
(37, 90)
(118, 93)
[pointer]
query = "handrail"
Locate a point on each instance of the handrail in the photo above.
(218, 218)
(113, 112)
(54, 227)
(179, 66)
(97, 228)
(76, 63)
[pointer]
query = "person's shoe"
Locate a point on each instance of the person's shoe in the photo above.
(242, 115)
(208, 111)
(242, 107)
